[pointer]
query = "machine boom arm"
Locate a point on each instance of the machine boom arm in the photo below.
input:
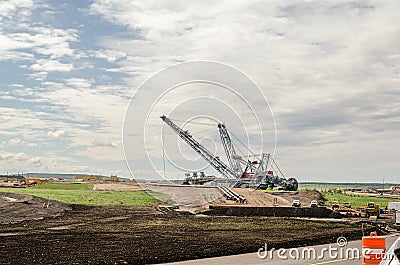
(220, 166)
(229, 149)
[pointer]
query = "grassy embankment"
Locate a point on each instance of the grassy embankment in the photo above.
(355, 200)
(85, 195)
(338, 195)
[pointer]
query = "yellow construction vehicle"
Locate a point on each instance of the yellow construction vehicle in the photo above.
(372, 209)
(32, 181)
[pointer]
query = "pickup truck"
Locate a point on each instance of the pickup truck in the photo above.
(296, 203)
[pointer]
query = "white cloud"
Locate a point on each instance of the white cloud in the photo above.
(102, 142)
(51, 66)
(102, 153)
(51, 42)
(9, 43)
(56, 134)
(18, 142)
(10, 8)
(110, 55)
(22, 121)
(39, 76)
(79, 83)
(329, 69)
(18, 157)
(21, 162)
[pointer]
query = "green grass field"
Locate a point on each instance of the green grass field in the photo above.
(85, 195)
(355, 200)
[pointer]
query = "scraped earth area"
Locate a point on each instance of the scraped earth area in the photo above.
(15, 208)
(73, 234)
(193, 196)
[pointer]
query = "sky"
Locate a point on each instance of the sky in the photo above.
(328, 74)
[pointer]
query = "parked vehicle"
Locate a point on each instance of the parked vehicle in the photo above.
(296, 203)
(314, 203)
(372, 209)
(346, 205)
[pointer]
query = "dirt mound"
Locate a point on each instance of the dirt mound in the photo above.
(16, 208)
(305, 197)
(310, 212)
(256, 198)
(267, 199)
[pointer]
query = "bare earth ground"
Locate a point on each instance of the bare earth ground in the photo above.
(17, 207)
(145, 235)
(117, 186)
(304, 196)
(257, 198)
(189, 196)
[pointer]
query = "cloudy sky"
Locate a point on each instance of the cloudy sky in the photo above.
(330, 71)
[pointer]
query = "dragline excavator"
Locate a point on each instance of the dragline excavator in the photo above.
(258, 172)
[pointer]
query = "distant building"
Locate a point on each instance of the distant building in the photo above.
(114, 178)
(90, 178)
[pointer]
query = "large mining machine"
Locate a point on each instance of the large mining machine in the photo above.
(253, 171)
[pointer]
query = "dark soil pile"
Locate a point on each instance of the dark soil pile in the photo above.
(16, 208)
(305, 197)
